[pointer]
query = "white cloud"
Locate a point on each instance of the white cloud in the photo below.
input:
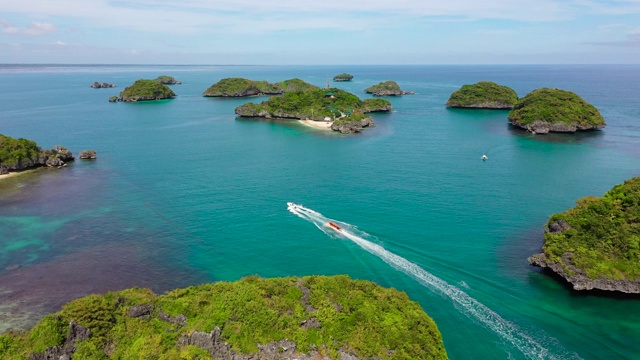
(61, 43)
(242, 16)
(33, 29)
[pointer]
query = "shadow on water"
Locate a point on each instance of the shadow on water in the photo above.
(595, 293)
(581, 137)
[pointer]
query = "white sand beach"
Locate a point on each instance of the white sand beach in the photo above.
(11, 174)
(322, 125)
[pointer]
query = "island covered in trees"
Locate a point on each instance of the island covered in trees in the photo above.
(21, 154)
(347, 112)
(312, 317)
(343, 77)
(483, 95)
(596, 245)
(167, 80)
(387, 88)
(553, 110)
(145, 90)
(241, 87)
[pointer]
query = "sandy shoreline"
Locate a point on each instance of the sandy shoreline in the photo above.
(322, 125)
(11, 174)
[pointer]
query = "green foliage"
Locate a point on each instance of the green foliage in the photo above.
(389, 85)
(555, 106)
(146, 90)
(48, 332)
(356, 316)
(605, 234)
(343, 77)
(483, 94)
(166, 79)
(14, 152)
(314, 104)
(244, 87)
(376, 104)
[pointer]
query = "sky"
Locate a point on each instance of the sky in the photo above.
(303, 32)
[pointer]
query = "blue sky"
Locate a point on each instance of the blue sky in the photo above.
(320, 32)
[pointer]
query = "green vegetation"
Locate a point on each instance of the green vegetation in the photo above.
(555, 106)
(343, 77)
(604, 234)
(237, 87)
(146, 90)
(484, 94)
(383, 86)
(354, 316)
(15, 153)
(167, 80)
(313, 104)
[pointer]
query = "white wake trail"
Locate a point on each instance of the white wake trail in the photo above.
(470, 306)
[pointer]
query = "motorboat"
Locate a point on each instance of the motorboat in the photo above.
(334, 226)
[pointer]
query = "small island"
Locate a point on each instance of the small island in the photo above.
(241, 87)
(167, 80)
(343, 77)
(553, 110)
(314, 317)
(483, 95)
(339, 110)
(97, 85)
(87, 155)
(146, 90)
(387, 88)
(22, 154)
(596, 245)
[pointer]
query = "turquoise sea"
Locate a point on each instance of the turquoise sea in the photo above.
(183, 193)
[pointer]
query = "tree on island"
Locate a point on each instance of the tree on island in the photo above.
(318, 105)
(343, 77)
(387, 88)
(553, 110)
(483, 95)
(596, 245)
(144, 90)
(241, 87)
(253, 318)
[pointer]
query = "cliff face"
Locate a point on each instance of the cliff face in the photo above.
(313, 317)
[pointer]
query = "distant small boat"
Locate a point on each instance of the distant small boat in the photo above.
(334, 226)
(484, 157)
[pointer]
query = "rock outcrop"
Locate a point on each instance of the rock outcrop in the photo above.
(65, 351)
(351, 127)
(168, 80)
(87, 154)
(579, 279)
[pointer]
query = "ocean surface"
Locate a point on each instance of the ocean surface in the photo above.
(184, 193)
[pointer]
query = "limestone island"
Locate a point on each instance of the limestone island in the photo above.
(387, 88)
(483, 95)
(167, 80)
(596, 245)
(331, 108)
(97, 85)
(22, 154)
(87, 155)
(240, 87)
(145, 90)
(553, 110)
(314, 317)
(343, 77)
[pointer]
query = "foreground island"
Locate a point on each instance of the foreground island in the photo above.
(315, 317)
(345, 112)
(22, 154)
(596, 245)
